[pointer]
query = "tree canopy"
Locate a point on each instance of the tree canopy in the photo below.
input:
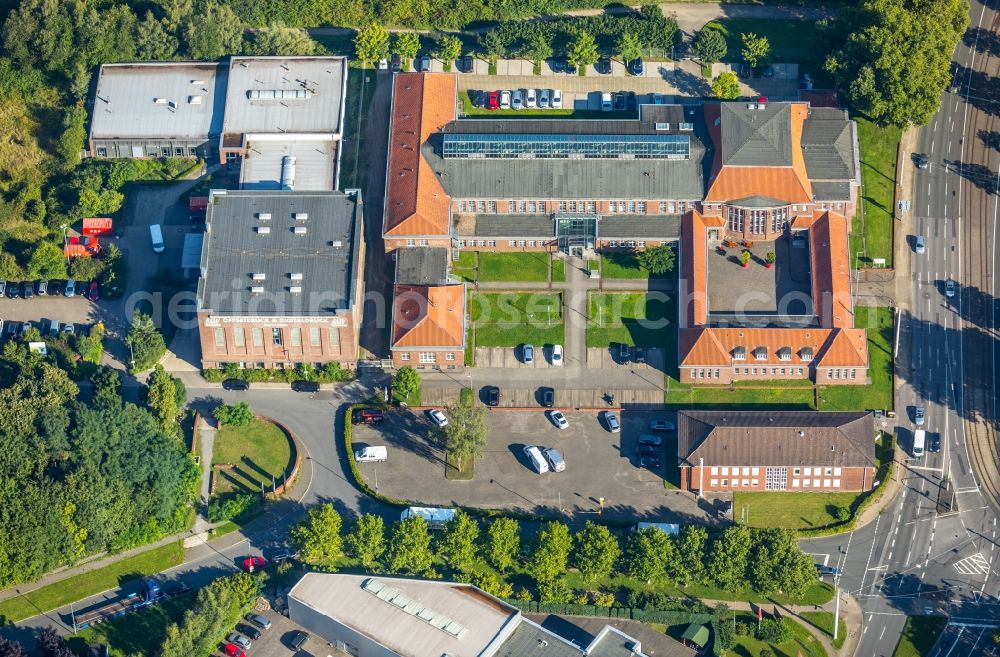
(726, 86)
(318, 538)
(755, 48)
(371, 43)
(466, 433)
(710, 46)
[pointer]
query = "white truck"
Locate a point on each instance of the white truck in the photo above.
(435, 518)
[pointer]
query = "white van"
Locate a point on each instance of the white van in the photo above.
(536, 459)
(919, 438)
(371, 454)
(156, 235)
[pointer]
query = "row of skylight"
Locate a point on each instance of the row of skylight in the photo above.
(414, 608)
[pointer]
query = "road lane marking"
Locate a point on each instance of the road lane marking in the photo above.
(974, 565)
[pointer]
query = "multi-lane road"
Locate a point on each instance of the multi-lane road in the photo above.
(934, 549)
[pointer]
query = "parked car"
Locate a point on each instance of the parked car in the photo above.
(555, 459)
(27, 326)
(530, 99)
(527, 354)
(493, 395)
(259, 620)
(94, 291)
(827, 570)
(650, 439)
(619, 101)
(235, 384)
(661, 425)
(623, 353)
(631, 101)
(298, 640)
(282, 555)
(3, 288)
(557, 355)
(603, 66)
(305, 386)
(544, 98)
(934, 443)
(647, 450)
(53, 328)
(41, 288)
(767, 71)
(70, 289)
(649, 462)
(922, 161)
(556, 99)
(369, 416)
(607, 104)
(424, 63)
(68, 329)
(11, 329)
(12, 289)
(55, 288)
(557, 65)
(437, 417)
(477, 98)
(639, 354)
(505, 99)
(493, 100)
(27, 290)
(248, 630)
(636, 66)
(233, 650)
(919, 246)
(239, 639)
(466, 64)
(745, 70)
(548, 397)
(949, 288)
(558, 419)
(918, 416)
(611, 421)
(251, 564)
(535, 458)
(371, 454)
(517, 99)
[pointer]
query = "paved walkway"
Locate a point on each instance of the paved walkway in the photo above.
(576, 312)
(206, 436)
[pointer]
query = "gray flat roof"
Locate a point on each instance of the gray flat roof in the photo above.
(667, 227)
(344, 598)
(531, 640)
(239, 244)
(318, 111)
(158, 100)
(421, 265)
(315, 161)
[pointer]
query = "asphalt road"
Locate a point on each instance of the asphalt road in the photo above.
(925, 555)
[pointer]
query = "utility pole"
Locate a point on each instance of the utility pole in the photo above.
(836, 612)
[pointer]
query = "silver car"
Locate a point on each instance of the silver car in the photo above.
(70, 289)
(949, 288)
(240, 640)
(918, 416)
(611, 421)
(555, 459)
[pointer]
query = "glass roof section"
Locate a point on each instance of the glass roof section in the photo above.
(555, 146)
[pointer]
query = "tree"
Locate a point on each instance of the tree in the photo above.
(537, 47)
(596, 550)
(161, 398)
(648, 554)
(367, 540)
(555, 591)
(52, 645)
(10, 648)
(145, 341)
(728, 560)
(448, 48)
(371, 43)
(406, 383)
(690, 552)
(503, 545)
(94, 202)
(466, 433)
(277, 39)
(73, 133)
(410, 547)
(726, 86)
(629, 46)
(457, 545)
(582, 50)
(755, 48)
(710, 46)
(213, 32)
(406, 44)
(766, 652)
(235, 415)
(551, 554)
(154, 40)
(317, 538)
(107, 384)
(491, 47)
(47, 261)
(657, 259)
(488, 581)
(896, 59)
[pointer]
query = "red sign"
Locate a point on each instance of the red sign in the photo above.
(97, 226)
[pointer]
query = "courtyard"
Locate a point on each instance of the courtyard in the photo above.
(759, 291)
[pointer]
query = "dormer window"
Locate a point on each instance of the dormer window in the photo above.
(806, 354)
(739, 353)
(760, 353)
(785, 353)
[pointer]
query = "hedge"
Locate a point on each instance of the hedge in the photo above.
(665, 617)
(332, 373)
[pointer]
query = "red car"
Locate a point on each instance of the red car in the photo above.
(493, 101)
(251, 564)
(93, 292)
(233, 650)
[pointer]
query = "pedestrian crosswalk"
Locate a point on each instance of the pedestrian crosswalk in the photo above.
(974, 565)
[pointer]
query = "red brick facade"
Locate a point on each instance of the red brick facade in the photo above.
(817, 479)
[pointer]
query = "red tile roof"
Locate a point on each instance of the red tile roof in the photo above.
(429, 316)
(416, 203)
(713, 347)
(831, 276)
(693, 285)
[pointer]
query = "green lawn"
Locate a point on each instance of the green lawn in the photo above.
(259, 451)
(871, 232)
(919, 636)
(790, 39)
(515, 267)
(790, 509)
(623, 265)
(680, 395)
(137, 633)
(558, 270)
(632, 318)
(508, 319)
(86, 584)
(823, 620)
(802, 643)
(877, 395)
(465, 266)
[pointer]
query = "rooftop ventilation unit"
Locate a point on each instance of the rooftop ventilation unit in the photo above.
(257, 289)
(295, 276)
(751, 106)
(299, 230)
(295, 289)
(264, 216)
(278, 94)
(197, 82)
(337, 244)
(300, 216)
(259, 276)
(288, 173)
(194, 100)
(263, 230)
(662, 126)
(160, 101)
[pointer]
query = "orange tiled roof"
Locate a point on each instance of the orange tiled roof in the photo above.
(694, 282)
(831, 270)
(416, 203)
(713, 347)
(429, 316)
(731, 183)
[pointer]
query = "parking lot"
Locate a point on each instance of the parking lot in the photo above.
(276, 640)
(598, 464)
(41, 310)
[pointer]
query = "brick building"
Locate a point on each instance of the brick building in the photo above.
(281, 279)
(805, 451)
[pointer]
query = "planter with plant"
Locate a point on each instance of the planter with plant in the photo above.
(772, 257)
(745, 258)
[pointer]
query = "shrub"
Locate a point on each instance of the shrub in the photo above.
(489, 582)
(466, 397)
(774, 630)
(231, 507)
(556, 591)
(236, 415)
(604, 599)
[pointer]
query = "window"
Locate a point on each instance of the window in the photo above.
(717, 374)
(631, 206)
(836, 472)
(427, 357)
(220, 337)
(725, 483)
(531, 207)
(314, 336)
(612, 207)
(520, 243)
(481, 206)
(715, 470)
(461, 244)
(238, 337)
(296, 337)
(512, 243)
(179, 151)
(423, 242)
(853, 373)
(165, 151)
(572, 206)
(725, 470)
(532, 243)
(795, 483)
(276, 336)
(335, 337)
(562, 206)
(258, 337)
(642, 244)
(102, 152)
(491, 206)
(491, 243)
(410, 243)
(836, 483)
(482, 242)
(612, 244)
(828, 471)
(641, 206)
(449, 356)
(663, 207)
(715, 482)
(796, 471)
(404, 355)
